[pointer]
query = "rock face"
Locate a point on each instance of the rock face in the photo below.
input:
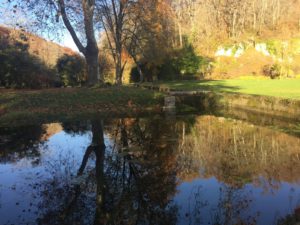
(47, 51)
(259, 57)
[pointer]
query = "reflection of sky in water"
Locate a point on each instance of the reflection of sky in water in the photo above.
(20, 180)
(204, 194)
(198, 201)
(18, 197)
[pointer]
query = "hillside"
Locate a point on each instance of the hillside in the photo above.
(47, 51)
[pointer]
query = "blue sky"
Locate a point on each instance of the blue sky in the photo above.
(8, 18)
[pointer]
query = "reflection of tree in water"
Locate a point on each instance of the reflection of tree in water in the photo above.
(76, 128)
(239, 153)
(292, 219)
(231, 207)
(134, 181)
(20, 142)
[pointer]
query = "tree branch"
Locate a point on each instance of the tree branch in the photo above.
(62, 9)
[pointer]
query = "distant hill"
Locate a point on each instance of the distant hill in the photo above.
(47, 51)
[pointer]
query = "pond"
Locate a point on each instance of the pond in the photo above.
(164, 169)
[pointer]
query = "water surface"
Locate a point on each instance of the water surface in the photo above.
(192, 169)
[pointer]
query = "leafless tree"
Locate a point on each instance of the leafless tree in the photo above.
(77, 17)
(113, 15)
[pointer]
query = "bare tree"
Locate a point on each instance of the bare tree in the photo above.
(113, 15)
(136, 34)
(77, 17)
(133, 47)
(231, 18)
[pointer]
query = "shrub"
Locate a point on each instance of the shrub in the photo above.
(188, 62)
(106, 66)
(134, 75)
(272, 71)
(71, 70)
(182, 63)
(179, 64)
(19, 69)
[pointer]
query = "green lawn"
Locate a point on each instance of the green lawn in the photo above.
(278, 88)
(22, 106)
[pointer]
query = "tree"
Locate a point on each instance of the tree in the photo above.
(71, 70)
(19, 68)
(126, 179)
(150, 40)
(139, 29)
(77, 17)
(113, 15)
(209, 22)
(136, 35)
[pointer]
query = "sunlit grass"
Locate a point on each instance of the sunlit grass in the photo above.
(289, 88)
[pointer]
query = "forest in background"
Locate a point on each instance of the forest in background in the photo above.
(225, 39)
(148, 40)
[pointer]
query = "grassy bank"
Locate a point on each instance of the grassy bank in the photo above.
(289, 89)
(23, 106)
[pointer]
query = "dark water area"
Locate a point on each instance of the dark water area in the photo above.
(165, 169)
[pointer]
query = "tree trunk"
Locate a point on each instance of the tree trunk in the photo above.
(93, 69)
(140, 73)
(180, 35)
(118, 74)
(139, 69)
(119, 71)
(98, 147)
(91, 50)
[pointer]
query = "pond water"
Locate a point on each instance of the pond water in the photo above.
(167, 169)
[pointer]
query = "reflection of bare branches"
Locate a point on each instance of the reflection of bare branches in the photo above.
(291, 219)
(240, 153)
(195, 213)
(64, 195)
(133, 179)
(233, 203)
(231, 208)
(61, 193)
(122, 178)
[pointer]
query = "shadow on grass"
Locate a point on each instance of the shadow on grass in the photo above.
(203, 85)
(25, 106)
